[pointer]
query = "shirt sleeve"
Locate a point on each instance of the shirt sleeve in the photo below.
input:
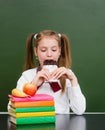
(27, 76)
(77, 99)
(22, 80)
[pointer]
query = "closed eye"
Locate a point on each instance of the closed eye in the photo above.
(43, 50)
(54, 50)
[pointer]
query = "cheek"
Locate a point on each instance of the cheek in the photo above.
(56, 57)
(41, 59)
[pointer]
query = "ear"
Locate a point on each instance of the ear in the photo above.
(35, 51)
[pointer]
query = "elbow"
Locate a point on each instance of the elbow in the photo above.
(79, 108)
(80, 111)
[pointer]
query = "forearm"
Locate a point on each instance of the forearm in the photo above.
(77, 100)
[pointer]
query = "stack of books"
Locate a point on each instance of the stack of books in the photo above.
(32, 110)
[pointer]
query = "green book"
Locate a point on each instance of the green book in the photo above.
(32, 120)
(45, 126)
(33, 109)
(48, 126)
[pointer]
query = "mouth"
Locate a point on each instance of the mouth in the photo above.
(50, 62)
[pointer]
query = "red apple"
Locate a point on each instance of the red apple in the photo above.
(29, 89)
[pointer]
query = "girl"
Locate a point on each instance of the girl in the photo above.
(50, 45)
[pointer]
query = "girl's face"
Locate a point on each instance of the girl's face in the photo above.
(48, 49)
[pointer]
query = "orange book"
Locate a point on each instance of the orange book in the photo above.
(31, 104)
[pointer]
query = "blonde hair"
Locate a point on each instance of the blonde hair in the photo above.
(63, 42)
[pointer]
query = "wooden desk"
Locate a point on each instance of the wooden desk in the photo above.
(63, 122)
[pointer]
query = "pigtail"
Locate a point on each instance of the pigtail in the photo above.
(65, 58)
(29, 62)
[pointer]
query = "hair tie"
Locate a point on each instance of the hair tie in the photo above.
(35, 36)
(59, 35)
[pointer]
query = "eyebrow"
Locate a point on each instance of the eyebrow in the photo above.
(47, 47)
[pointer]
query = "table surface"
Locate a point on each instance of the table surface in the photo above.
(63, 122)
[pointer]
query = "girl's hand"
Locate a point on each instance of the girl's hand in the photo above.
(41, 77)
(64, 72)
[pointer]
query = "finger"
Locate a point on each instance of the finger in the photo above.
(59, 72)
(46, 74)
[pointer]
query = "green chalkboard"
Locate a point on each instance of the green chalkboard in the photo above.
(83, 22)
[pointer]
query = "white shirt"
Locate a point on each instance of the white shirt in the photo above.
(72, 97)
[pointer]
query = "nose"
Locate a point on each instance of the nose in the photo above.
(49, 53)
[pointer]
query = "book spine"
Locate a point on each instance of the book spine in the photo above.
(34, 114)
(33, 120)
(32, 104)
(34, 109)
